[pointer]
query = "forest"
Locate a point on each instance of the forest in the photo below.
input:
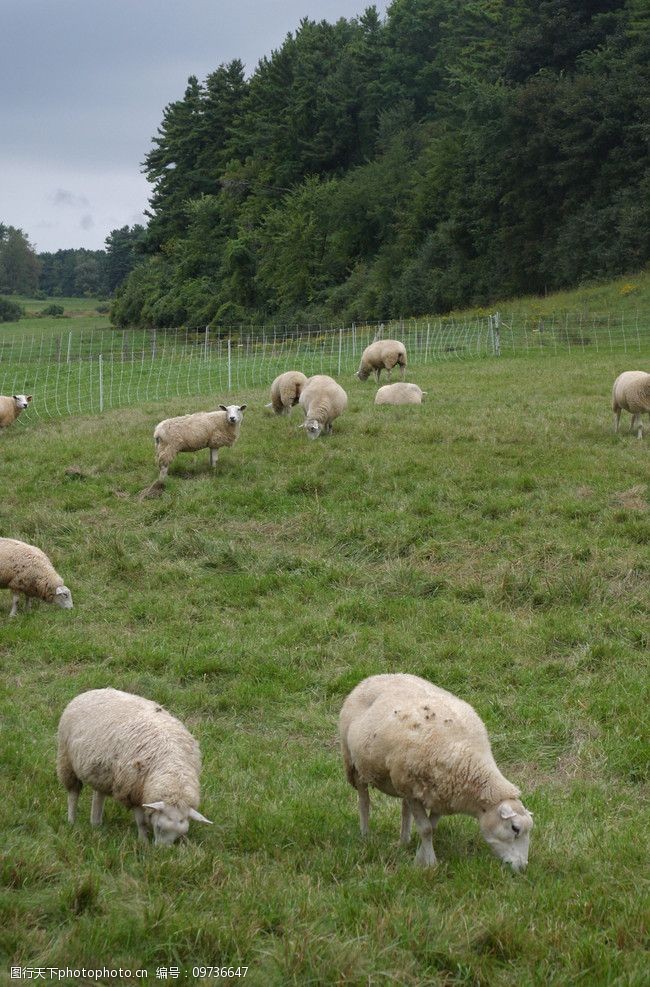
(71, 273)
(448, 154)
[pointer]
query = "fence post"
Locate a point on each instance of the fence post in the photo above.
(153, 345)
(69, 346)
(207, 337)
(229, 364)
(100, 361)
(495, 325)
(340, 348)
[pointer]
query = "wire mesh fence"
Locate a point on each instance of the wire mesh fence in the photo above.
(81, 372)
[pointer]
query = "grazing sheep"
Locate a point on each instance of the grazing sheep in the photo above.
(135, 751)
(25, 569)
(203, 430)
(11, 407)
(419, 743)
(383, 354)
(322, 400)
(631, 392)
(285, 391)
(399, 393)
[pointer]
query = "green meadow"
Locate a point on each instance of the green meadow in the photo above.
(493, 540)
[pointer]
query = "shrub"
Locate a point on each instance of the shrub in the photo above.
(56, 310)
(9, 311)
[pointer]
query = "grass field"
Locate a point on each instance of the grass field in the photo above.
(494, 540)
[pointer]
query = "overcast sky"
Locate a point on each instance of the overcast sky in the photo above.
(83, 85)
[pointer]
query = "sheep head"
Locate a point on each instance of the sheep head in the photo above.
(63, 598)
(313, 427)
(22, 400)
(168, 822)
(234, 413)
(506, 829)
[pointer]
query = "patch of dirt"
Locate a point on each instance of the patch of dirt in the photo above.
(155, 490)
(583, 493)
(633, 499)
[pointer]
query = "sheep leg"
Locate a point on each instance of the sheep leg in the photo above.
(143, 832)
(162, 476)
(402, 371)
(14, 605)
(214, 455)
(97, 809)
(364, 809)
(617, 421)
(425, 857)
(407, 819)
(73, 798)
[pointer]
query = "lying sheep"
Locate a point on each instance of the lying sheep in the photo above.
(135, 751)
(285, 391)
(631, 392)
(25, 569)
(11, 407)
(204, 430)
(419, 743)
(383, 354)
(400, 393)
(322, 400)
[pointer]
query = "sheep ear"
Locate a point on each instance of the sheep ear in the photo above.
(29, 398)
(304, 425)
(506, 812)
(158, 806)
(242, 407)
(223, 407)
(59, 591)
(199, 818)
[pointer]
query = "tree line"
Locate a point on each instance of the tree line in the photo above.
(452, 153)
(67, 273)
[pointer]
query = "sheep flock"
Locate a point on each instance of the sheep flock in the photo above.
(399, 734)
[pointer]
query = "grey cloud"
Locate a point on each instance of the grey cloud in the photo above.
(61, 197)
(87, 222)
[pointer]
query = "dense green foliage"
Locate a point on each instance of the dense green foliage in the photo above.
(454, 153)
(19, 265)
(84, 273)
(10, 311)
(497, 547)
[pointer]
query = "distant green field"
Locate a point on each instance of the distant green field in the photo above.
(494, 540)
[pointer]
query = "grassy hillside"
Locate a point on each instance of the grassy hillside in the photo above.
(79, 313)
(494, 540)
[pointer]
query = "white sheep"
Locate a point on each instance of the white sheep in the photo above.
(631, 392)
(203, 430)
(322, 400)
(400, 393)
(26, 569)
(285, 391)
(419, 743)
(383, 354)
(11, 407)
(135, 751)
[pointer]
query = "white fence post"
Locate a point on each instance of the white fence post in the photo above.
(340, 348)
(229, 364)
(101, 382)
(69, 345)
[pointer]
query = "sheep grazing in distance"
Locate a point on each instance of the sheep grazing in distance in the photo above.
(26, 569)
(322, 400)
(203, 430)
(135, 751)
(285, 391)
(631, 392)
(383, 354)
(11, 407)
(419, 743)
(400, 393)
